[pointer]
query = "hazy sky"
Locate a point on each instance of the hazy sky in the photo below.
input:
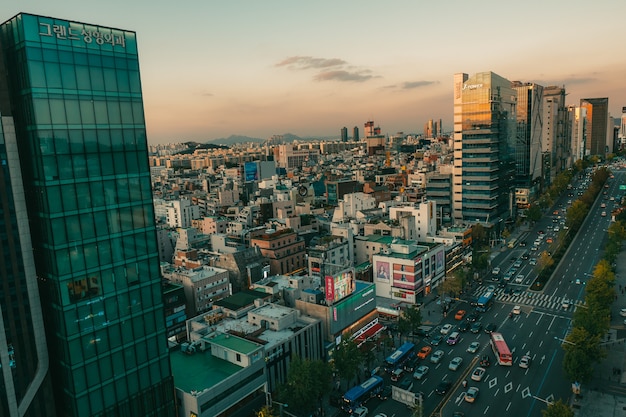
(214, 68)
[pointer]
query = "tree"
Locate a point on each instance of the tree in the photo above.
(347, 358)
(480, 257)
(558, 409)
(452, 285)
(582, 349)
(307, 381)
(479, 235)
(533, 213)
(544, 261)
(410, 320)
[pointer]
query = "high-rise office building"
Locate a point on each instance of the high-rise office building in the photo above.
(597, 124)
(555, 137)
(25, 388)
(355, 134)
(528, 141)
(73, 92)
(484, 149)
(344, 134)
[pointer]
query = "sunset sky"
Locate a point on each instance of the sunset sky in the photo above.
(257, 68)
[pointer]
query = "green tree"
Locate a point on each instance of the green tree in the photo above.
(480, 257)
(534, 213)
(346, 359)
(558, 409)
(582, 349)
(410, 320)
(307, 381)
(479, 235)
(452, 285)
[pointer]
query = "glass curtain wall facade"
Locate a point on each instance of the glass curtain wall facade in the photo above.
(484, 148)
(25, 388)
(76, 99)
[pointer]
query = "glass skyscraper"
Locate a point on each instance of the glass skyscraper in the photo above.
(73, 92)
(484, 148)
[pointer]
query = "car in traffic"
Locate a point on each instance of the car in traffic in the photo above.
(436, 356)
(459, 315)
(491, 327)
(420, 372)
(471, 394)
(519, 279)
(397, 374)
(455, 363)
(472, 317)
(532, 261)
(406, 384)
(485, 361)
(476, 327)
(360, 411)
(524, 362)
(454, 338)
(517, 310)
(410, 365)
(464, 326)
(424, 352)
(478, 374)
(445, 329)
(473, 347)
(622, 312)
(385, 393)
(435, 341)
(443, 387)
(565, 304)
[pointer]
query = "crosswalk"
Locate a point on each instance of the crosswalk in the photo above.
(534, 299)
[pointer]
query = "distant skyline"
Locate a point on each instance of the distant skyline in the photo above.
(258, 68)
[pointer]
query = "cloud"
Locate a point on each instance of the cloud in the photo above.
(408, 85)
(307, 62)
(341, 75)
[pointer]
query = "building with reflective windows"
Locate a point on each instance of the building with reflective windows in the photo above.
(484, 148)
(73, 92)
(598, 133)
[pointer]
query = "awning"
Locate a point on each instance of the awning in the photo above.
(371, 332)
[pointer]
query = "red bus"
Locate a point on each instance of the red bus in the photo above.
(501, 350)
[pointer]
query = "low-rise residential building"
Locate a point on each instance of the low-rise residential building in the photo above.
(203, 285)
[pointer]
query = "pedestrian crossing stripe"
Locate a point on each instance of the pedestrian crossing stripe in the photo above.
(530, 298)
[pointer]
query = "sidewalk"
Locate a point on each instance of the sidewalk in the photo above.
(605, 395)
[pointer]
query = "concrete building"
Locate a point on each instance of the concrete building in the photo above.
(408, 270)
(555, 141)
(418, 220)
(180, 213)
(598, 134)
(228, 360)
(283, 248)
(203, 286)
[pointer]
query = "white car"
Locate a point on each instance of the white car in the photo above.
(517, 310)
(436, 356)
(420, 372)
(360, 411)
(622, 312)
(565, 304)
(524, 362)
(471, 394)
(478, 374)
(455, 363)
(519, 279)
(473, 347)
(446, 328)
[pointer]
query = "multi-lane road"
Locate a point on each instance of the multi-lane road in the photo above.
(538, 331)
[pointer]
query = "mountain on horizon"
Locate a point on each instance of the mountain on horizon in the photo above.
(235, 139)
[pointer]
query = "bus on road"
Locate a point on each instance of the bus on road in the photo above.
(356, 396)
(397, 358)
(501, 350)
(484, 302)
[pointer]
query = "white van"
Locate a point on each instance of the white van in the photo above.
(454, 338)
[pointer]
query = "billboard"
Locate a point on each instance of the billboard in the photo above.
(339, 285)
(382, 271)
(251, 172)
